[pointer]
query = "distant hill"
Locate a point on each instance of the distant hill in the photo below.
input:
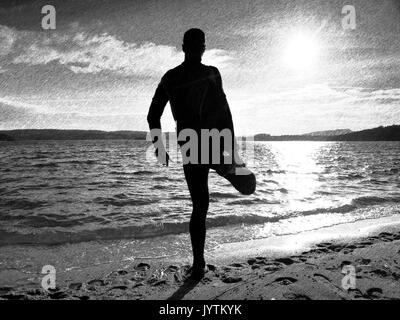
(328, 133)
(5, 137)
(55, 134)
(266, 137)
(262, 137)
(391, 133)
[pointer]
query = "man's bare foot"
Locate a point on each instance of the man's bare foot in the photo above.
(197, 273)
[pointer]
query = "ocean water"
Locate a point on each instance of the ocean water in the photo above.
(55, 192)
(103, 205)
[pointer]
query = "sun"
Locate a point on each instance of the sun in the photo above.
(301, 52)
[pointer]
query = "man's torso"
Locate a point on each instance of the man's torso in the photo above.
(192, 91)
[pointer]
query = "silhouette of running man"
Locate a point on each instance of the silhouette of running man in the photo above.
(198, 102)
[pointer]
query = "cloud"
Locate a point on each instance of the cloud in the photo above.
(317, 107)
(380, 96)
(318, 96)
(15, 114)
(10, 113)
(349, 95)
(92, 54)
(18, 115)
(293, 111)
(7, 40)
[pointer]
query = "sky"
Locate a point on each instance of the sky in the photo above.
(288, 67)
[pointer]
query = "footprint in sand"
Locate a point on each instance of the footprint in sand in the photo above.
(336, 248)
(364, 261)
(385, 234)
(75, 286)
(328, 247)
(58, 295)
(237, 265)
(13, 296)
(231, 279)
(36, 292)
(122, 272)
(206, 280)
(5, 290)
(345, 263)
(320, 250)
(93, 284)
(285, 281)
(380, 272)
(387, 237)
(172, 268)
(273, 266)
(364, 244)
(121, 287)
(96, 282)
(142, 267)
(211, 267)
(374, 293)
(357, 294)
(157, 282)
(295, 296)
(286, 261)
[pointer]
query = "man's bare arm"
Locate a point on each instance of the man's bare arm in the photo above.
(156, 110)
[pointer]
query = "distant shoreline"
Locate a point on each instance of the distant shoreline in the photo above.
(390, 133)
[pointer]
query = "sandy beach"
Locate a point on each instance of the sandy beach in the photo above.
(314, 274)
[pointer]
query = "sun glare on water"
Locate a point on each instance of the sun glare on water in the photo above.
(301, 52)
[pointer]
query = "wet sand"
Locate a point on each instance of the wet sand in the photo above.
(313, 274)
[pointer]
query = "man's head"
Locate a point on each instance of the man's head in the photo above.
(194, 42)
